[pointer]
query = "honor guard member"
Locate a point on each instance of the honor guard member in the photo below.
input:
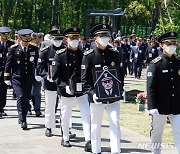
(102, 55)
(21, 61)
(4, 46)
(163, 92)
(67, 72)
(44, 69)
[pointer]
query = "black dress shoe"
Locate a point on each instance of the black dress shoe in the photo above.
(0, 115)
(4, 113)
(87, 146)
(71, 136)
(65, 143)
(38, 113)
(48, 132)
(24, 125)
(29, 113)
(56, 121)
(19, 121)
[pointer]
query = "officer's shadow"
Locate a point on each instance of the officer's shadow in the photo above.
(35, 126)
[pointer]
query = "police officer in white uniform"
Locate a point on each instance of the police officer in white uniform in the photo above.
(102, 55)
(163, 92)
(67, 72)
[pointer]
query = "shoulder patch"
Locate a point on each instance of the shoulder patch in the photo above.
(88, 52)
(14, 45)
(60, 51)
(44, 48)
(177, 56)
(157, 59)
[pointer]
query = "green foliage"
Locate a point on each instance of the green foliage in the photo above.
(37, 14)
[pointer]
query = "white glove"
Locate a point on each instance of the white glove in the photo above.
(130, 60)
(8, 82)
(154, 112)
(95, 99)
(68, 91)
(38, 78)
(49, 79)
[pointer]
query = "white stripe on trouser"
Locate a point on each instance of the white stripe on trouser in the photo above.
(50, 98)
(66, 111)
(158, 123)
(113, 112)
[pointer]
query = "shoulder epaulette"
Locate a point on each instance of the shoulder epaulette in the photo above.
(60, 51)
(14, 45)
(33, 44)
(88, 52)
(157, 59)
(11, 40)
(44, 48)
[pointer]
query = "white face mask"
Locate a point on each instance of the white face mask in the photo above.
(170, 49)
(103, 41)
(57, 43)
(73, 43)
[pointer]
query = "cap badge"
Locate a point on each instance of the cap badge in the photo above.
(58, 31)
(172, 34)
(104, 26)
(75, 29)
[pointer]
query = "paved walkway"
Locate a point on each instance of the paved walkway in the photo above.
(13, 140)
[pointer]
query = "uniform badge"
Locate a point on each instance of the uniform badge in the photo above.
(31, 59)
(179, 72)
(74, 29)
(149, 74)
(18, 61)
(32, 53)
(0, 55)
(83, 67)
(53, 63)
(112, 63)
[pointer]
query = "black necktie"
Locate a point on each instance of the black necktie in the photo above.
(25, 50)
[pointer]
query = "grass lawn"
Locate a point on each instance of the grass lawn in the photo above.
(140, 122)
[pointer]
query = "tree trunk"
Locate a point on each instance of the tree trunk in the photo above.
(168, 13)
(155, 16)
(53, 19)
(161, 16)
(6, 13)
(15, 12)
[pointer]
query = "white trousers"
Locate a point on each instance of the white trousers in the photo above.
(50, 98)
(66, 113)
(158, 123)
(113, 112)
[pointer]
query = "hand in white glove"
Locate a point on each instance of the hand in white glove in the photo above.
(95, 98)
(130, 60)
(38, 78)
(154, 112)
(68, 91)
(8, 82)
(49, 79)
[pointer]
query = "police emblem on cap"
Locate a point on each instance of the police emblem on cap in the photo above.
(104, 26)
(172, 34)
(179, 72)
(74, 29)
(112, 63)
(58, 32)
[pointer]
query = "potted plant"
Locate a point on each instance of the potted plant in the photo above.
(141, 100)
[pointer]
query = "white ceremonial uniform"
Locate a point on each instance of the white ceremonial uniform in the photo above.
(158, 123)
(113, 112)
(66, 111)
(50, 98)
